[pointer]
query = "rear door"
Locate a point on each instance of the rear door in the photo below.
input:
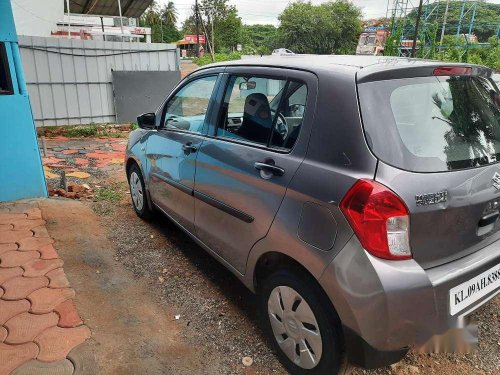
(246, 163)
(438, 139)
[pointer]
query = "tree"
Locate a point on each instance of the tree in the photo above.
(224, 19)
(169, 13)
(332, 27)
(162, 22)
(259, 39)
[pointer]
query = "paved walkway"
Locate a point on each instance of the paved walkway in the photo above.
(39, 324)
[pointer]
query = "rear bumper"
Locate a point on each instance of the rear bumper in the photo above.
(393, 305)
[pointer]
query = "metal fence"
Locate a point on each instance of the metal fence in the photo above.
(70, 81)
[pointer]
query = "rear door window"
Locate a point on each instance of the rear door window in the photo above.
(433, 124)
(264, 111)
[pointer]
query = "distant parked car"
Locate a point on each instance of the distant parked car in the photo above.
(282, 52)
(357, 195)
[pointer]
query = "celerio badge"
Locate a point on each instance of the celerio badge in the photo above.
(432, 198)
(496, 180)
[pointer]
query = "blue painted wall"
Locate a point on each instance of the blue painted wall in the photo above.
(21, 172)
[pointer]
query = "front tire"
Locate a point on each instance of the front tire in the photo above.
(138, 193)
(305, 330)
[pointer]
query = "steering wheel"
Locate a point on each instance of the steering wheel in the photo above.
(281, 126)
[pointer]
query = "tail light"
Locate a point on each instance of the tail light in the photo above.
(379, 218)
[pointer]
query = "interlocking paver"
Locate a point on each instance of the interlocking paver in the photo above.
(14, 235)
(39, 267)
(57, 279)
(55, 343)
(4, 227)
(17, 258)
(45, 300)
(68, 315)
(12, 356)
(3, 334)
(48, 252)
(64, 367)
(9, 273)
(34, 214)
(34, 243)
(40, 231)
(84, 359)
(20, 287)
(7, 247)
(25, 327)
(8, 218)
(9, 309)
(26, 224)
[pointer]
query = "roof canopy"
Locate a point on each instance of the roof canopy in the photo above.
(130, 8)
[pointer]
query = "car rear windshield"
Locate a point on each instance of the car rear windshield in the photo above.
(432, 124)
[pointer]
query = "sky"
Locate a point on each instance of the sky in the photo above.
(267, 11)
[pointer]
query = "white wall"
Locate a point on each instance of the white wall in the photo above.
(37, 17)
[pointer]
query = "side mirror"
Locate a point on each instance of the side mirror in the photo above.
(147, 121)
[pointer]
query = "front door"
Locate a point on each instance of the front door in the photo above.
(245, 165)
(173, 149)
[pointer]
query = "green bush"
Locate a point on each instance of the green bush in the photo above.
(219, 57)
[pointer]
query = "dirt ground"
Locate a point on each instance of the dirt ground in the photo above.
(158, 304)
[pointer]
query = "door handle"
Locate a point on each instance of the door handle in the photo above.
(188, 147)
(267, 167)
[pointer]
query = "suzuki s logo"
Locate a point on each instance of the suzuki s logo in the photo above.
(496, 180)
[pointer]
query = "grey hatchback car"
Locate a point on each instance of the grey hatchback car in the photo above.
(359, 196)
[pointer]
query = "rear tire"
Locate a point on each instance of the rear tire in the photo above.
(138, 193)
(305, 330)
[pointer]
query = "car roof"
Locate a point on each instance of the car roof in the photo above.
(367, 66)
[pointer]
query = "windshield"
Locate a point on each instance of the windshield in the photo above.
(433, 124)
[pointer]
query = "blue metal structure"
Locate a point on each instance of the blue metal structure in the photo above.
(21, 172)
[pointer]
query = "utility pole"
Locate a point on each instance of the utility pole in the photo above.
(121, 18)
(69, 19)
(197, 15)
(417, 25)
(445, 19)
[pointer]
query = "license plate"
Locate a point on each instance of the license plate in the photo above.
(473, 290)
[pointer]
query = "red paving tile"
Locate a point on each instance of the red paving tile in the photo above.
(52, 160)
(34, 214)
(7, 247)
(9, 309)
(46, 299)
(17, 258)
(55, 343)
(8, 218)
(27, 224)
(5, 227)
(34, 243)
(20, 287)
(40, 232)
(14, 235)
(39, 267)
(68, 315)
(25, 327)
(48, 252)
(58, 279)
(69, 152)
(3, 334)
(81, 162)
(9, 273)
(13, 356)
(30, 310)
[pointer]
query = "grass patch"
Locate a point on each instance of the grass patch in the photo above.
(112, 194)
(82, 131)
